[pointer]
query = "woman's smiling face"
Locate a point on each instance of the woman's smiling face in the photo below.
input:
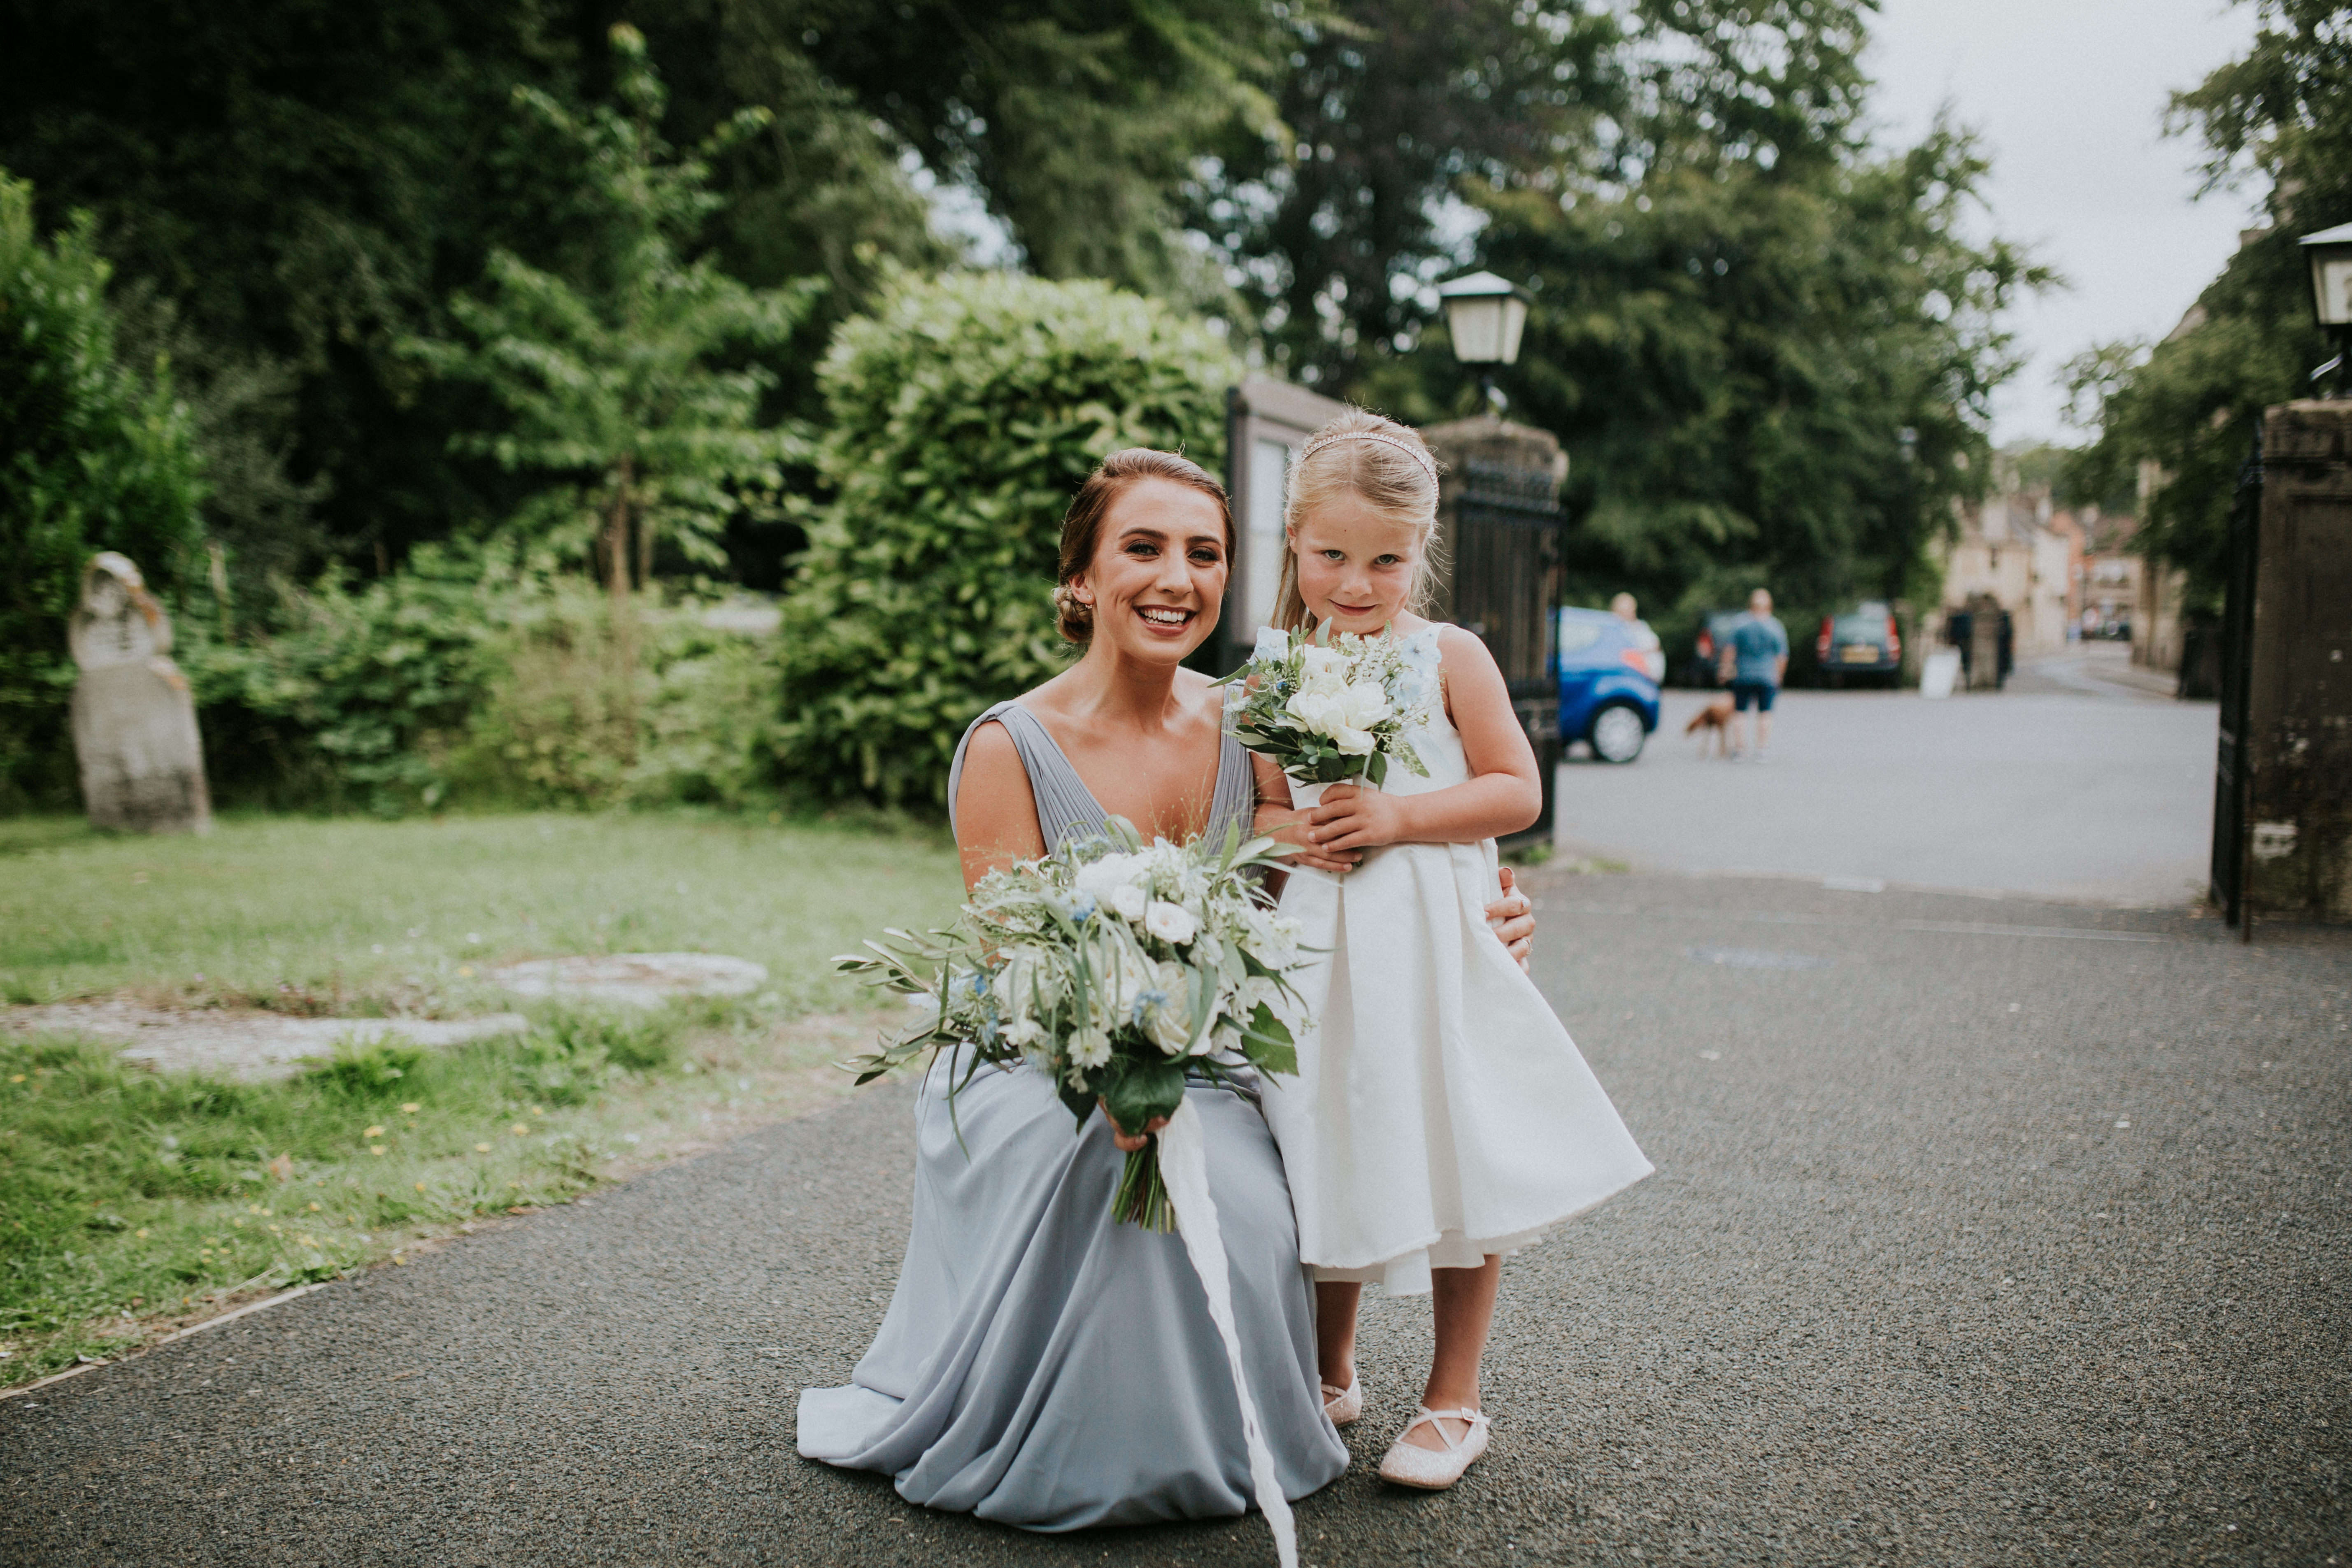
(1356, 564)
(1158, 578)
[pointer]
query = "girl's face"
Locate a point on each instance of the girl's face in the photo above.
(1356, 565)
(1158, 578)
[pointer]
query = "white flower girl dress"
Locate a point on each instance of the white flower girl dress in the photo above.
(1441, 1113)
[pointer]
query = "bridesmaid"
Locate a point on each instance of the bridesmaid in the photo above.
(1039, 1364)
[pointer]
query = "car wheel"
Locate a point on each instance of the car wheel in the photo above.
(1617, 734)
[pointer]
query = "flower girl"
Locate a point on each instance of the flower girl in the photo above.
(1441, 1116)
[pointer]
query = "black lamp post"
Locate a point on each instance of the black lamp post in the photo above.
(1484, 315)
(2328, 254)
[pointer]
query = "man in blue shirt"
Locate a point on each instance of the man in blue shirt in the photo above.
(1755, 658)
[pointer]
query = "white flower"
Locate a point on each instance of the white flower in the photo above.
(1090, 1048)
(1131, 900)
(1119, 978)
(1026, 975)
(1272, 644)
(1363, 704)
(1312, 709)
(1102, 878)
(1326, 669)
(1164, 1013)
(1170, 923)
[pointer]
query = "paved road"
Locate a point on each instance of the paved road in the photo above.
(1982, 1233)
(2075, 783)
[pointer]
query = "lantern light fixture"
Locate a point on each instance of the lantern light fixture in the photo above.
(1484, 315)
(2329, 255)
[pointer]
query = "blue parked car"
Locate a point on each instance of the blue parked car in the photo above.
(1608, 673)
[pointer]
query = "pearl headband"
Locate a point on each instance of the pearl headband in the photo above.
(1320, 442)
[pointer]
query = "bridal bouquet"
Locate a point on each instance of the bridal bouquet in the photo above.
(1115, 968)
(1334, 709)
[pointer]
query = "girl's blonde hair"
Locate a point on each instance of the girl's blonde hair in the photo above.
(1387, 466)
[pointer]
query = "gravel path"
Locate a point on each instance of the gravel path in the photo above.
(1907, 1288)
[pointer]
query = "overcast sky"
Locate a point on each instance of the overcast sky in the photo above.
(2069, 96)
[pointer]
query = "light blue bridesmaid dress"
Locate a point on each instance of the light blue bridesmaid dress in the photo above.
(1042, 1366)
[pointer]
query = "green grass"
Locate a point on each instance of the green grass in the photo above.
(360, 918)
(133, 1199)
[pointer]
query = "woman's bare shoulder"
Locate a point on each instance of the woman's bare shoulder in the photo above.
(995, 807)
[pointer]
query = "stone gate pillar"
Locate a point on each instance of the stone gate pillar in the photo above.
(2298, 679)
(134, 724)
(1498, 525)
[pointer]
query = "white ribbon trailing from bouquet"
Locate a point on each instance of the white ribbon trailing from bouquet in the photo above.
(1184, 1167)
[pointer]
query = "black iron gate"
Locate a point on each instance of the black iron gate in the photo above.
(1506, 548)
(2230, 774)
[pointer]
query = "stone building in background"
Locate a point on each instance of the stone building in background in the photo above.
(2007, 551)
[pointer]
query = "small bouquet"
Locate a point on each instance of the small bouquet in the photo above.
(1113, 967)
(1334, 710)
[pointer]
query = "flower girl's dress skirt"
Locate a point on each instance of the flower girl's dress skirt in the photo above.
(1042, 1366)
(1441, 1113)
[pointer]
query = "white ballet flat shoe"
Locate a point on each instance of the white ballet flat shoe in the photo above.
(1435, 1469)
(1344, 1406)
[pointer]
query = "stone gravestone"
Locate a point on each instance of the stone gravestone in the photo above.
(134, 725)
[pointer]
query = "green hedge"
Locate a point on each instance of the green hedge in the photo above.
(963, 414)
(469, 678)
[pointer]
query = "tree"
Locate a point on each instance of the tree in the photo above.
(1334, 217)
(1768, 351)
(307, 186)
(95, 454)
(617, 391)
(964, 413)
(1075, 123)
(2184, 410)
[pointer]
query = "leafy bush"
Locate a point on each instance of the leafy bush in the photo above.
(473, 677)
(94, 455)
(964, 413)
(555, 725)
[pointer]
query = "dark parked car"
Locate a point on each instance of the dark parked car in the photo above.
(1863, 644)
(1608, 684)
(1706, 652)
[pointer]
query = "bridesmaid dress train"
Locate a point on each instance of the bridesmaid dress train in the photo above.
(1042, 1367)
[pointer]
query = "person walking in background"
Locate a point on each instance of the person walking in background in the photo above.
(1653, 655)
(1755, 659)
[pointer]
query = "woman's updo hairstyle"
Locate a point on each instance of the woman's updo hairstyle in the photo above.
(1082, 524)
(1387, 466)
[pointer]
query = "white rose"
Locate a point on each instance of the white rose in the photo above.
(1170, 923)
(1168, 1021)
(1115, 980)
(1363, 705)
(1309, 708)
(1326, 670)
(1271, 643)
(1352, 742)
(1104, 876)
(1131, 900)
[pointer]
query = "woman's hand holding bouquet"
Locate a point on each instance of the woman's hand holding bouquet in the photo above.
(1117, 969)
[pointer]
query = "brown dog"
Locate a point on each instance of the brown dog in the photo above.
(1714, 716)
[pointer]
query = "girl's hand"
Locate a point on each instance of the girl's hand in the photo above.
(1129, 1142)
(1355, 818)
(1514, 920)
(1292, 827)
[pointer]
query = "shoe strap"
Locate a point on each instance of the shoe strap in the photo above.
(1470, 1417)
(1330, 1392)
